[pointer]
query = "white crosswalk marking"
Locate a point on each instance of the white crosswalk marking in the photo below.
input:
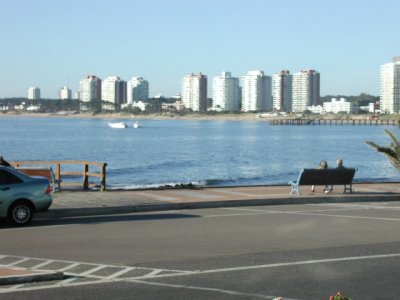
(119, 273)
(77, 273)
(93, 270)
(41, 265)
(17, 262)
(71, 266)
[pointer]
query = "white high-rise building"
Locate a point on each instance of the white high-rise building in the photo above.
(90, 88)
(194, 92)
(138, 90)
(34, 93)
(113, 90)
(390, 86)
(256, 93)
(282, 91)
(226, 93)
(64, 93)
(305, 90)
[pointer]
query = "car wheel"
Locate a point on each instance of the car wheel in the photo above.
(20, 213)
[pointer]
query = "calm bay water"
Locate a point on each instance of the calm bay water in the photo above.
(217, 153)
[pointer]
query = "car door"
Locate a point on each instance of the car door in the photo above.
(8, 190)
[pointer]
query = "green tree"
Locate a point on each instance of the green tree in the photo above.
(392, 151)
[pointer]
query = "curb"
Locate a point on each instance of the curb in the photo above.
(42, 276)
(60, 213)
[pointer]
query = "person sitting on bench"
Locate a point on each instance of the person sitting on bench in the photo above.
(322, 165)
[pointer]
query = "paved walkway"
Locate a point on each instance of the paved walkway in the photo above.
(81, 203)
(85, 203)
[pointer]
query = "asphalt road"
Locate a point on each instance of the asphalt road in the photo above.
(301, 252)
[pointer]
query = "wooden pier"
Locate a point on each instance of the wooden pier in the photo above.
(60, 175)
(305, 121)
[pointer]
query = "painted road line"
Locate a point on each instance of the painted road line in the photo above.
(67, 281)
(153, 273)
(305, 213)
(41, 265)
(283, 211)
(119, 273)
(17, 262)
(71, 266)
(258, 212)
(54, 286)
(88, 272)
(212, 271)
(14, 288)
(365, 206)
(95, 269)
(288, 264)
(199, 288)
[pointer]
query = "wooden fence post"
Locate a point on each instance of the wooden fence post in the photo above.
(85, 176)
(103, 177)
(58, 172)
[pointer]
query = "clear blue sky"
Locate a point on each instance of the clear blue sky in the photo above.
(52, 43)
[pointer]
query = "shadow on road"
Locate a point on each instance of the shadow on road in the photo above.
(102, 219)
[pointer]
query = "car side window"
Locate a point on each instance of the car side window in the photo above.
(8, 178)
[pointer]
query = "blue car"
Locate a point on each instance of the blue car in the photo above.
(22, 195)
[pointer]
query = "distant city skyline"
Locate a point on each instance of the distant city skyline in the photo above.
(55, 44)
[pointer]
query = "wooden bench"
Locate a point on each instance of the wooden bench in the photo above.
(43, 172)
(324, 177)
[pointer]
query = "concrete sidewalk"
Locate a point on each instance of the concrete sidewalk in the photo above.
(89, 203)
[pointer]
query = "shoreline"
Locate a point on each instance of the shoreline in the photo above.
(249, 116)
(154, 116)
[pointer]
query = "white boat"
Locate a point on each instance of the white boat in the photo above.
(137, 125)
(118, 125)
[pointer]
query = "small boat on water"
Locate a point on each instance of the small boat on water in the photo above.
(118, 125)
(137, 125)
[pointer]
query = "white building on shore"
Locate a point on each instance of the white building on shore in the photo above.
(64, 93)
(282, 91)
(338, 105)
(113, 89)
(390, 86)
(226, 93)
(34, 93)
(137, 90)
(90, 88)
(194, 92)
(305, 90)
(256, 92)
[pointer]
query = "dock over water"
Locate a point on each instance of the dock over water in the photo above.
(307, 121)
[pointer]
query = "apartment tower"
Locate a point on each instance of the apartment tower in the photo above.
(390, 86)
(226, 93)
(34, 93)
(282, 91)
(138, 90)
(256, 93)
(194, 92)
(90, 88)
(113, 90)
(305, 90)
(64, 93)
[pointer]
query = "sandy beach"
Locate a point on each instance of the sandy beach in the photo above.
(194, 116)
(154, 116)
